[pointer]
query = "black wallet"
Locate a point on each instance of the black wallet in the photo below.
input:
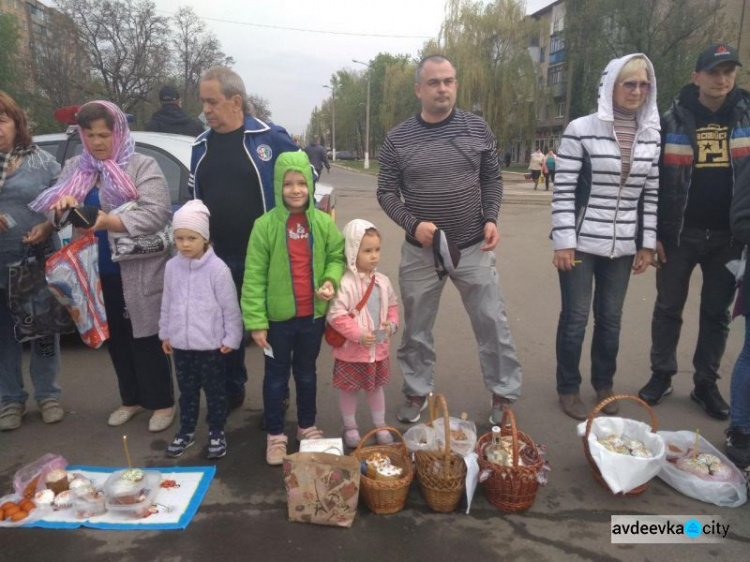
(83, 216)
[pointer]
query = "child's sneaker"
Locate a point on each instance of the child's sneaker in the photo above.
(179, 444)
(311, 432)
(217, 444)
(352, 438)
(276, 449)
(384, 437)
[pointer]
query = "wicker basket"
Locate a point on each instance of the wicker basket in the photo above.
(441, 474)
(385, 496)
(510, 488)
(595, 469)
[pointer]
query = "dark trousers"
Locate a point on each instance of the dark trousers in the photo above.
(143, 371)
(549, 176)
(610, 278)
(206, 370)
(711, 250)
(296, 345)
(236, 372)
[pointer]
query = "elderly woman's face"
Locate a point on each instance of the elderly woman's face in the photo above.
(631, 91)
(7, 133)
(99, 139)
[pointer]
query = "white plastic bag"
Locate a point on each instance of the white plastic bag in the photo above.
(624, 473)
(463, 435)
(420, 438)
(728, 493)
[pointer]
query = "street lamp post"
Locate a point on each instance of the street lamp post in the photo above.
(367, 117)
(333, 119)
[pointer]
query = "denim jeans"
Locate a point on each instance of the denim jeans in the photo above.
(236, 372)
(296, 345)
(739, 393)
(711, 250)
(44, 366)
(610, 278)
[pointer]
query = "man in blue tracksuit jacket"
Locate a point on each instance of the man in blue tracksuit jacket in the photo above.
(231, 170)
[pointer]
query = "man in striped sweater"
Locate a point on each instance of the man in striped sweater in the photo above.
(439, 170)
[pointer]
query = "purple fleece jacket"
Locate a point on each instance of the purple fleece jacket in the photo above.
(199, 307)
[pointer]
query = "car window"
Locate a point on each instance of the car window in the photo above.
(50, 147)
(170, 167)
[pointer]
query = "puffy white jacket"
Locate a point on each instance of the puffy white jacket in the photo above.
(591, 211)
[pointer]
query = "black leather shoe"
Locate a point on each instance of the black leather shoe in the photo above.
(708, 398)
(656, 389)
(738, 447)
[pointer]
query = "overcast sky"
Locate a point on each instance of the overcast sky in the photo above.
(289, 67)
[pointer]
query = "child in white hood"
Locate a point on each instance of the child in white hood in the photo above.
(362, 362)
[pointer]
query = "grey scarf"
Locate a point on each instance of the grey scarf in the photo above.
(6, 158)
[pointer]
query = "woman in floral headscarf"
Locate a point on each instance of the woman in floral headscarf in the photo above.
(108, 174)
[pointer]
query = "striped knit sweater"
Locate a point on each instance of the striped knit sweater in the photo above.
(625, 129)
(446, 173)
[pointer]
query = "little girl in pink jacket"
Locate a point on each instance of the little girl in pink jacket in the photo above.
(362, 362)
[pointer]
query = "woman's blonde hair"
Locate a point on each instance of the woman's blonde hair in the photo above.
(631, 67)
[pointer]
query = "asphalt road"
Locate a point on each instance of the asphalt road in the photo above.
(243, 516)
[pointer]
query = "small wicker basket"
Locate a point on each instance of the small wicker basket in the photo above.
(441, 474)
(385, 496)
(594, 468)
(510, 488)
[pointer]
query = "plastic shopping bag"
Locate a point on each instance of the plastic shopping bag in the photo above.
(124, 246)
(725, 491)
(420, 437)
(624, 473)
(35, 310)
(73, 277)
(30, 478)
(463, 436)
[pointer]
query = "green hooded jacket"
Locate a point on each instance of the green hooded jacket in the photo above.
(267, 290)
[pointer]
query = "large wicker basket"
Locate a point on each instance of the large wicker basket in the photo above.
(385, 496)
(510, 488)
(594, 468)
(441, 474)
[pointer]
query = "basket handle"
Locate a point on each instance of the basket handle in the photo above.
(603, 403)
(393, 430)
(509, 419)
(438, 401)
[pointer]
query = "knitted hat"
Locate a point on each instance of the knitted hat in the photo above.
(193, 215)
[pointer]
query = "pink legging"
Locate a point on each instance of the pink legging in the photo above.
(348, 406)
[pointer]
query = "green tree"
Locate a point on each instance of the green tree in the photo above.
(9, 55)
(670, 32)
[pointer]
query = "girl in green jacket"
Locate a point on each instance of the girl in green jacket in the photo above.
(295, 260)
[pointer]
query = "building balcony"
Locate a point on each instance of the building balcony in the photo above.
(557, 57)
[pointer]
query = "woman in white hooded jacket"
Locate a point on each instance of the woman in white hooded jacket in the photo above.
(604, 221)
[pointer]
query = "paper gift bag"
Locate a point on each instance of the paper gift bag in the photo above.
(322, 488)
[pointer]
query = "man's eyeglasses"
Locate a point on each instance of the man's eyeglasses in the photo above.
(631, 85)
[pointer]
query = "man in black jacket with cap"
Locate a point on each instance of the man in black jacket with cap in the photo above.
(704, 135)
(171, 118)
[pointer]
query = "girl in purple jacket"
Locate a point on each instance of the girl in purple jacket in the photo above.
(200, 322)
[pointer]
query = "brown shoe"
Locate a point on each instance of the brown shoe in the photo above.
(613, 407)
(572, 406)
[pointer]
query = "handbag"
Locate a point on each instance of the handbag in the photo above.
(124, 246)
(35, 311)
(334, 338)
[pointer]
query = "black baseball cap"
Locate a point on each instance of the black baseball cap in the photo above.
(168, 93)
(715, 55)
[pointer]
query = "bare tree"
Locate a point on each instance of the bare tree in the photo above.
(56, 62)
(126, 44)
(195, 50)
(259, 107)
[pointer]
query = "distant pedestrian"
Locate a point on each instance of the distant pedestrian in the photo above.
(549, 168)
(507, 159)
(535, 166)
(197, 280)
(603, 214)
(171, 118)
(318, 156)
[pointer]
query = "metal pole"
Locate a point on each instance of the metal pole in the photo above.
(367, 117)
